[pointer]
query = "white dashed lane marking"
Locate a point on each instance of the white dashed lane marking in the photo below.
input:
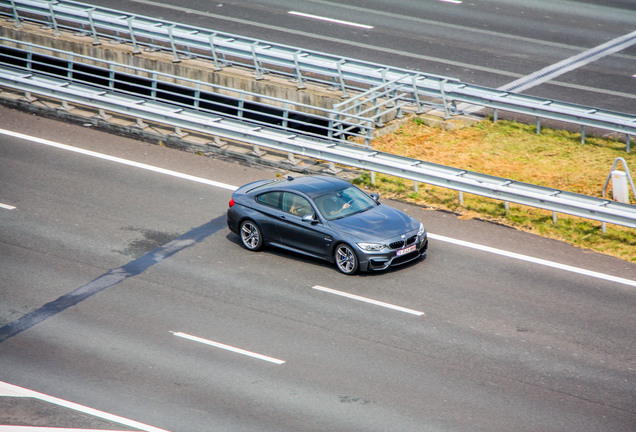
(228, 348)
(368, 300)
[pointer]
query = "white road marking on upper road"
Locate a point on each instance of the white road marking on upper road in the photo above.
(534, 260)
(117, 159)
(451, 1)
(231, 187)
(550, 72)
(228, 347)
(368, 300)
(331, 20)
(11, 390)
(7, 206)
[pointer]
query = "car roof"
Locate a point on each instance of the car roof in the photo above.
(309, 185)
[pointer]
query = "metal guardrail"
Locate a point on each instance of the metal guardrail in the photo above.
(205, 97)
(301, 65)
(356, 156)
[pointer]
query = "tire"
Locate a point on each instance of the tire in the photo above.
(346, 259)
(251, 235)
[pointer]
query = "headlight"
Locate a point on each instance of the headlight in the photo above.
(422, 230)
(370, 247)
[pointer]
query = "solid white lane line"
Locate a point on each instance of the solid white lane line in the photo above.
(534, 260)
(368, 300)
(117, 159)
(7, 389)
(7, 206)
(451, 1)
(231, 187)
(331, 20)
(228, 348)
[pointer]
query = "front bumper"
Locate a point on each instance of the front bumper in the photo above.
(382, 260)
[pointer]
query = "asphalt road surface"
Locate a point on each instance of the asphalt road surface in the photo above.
(122, 290)
(490, 43)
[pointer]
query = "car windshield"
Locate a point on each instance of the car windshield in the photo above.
(343, 202)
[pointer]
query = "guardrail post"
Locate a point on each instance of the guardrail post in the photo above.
(175, 58)
(197, 96)
(582, 134)
(627, 144)
(285, 121)
(256, 151)
(379, 122)
(96, 40)
(178, 133)
(16, 17)
(461, 198)
(330, 126)
(291, 159)
(443, 94)
(554, 217)
(56, 31)
(103, 115)
(66, 107)
(217, 142)
(28, 97)
(217, 65)
(416, 94)
(495, 115)
(399, 113)
(153, 86)
(343, 87)
(257, 65)
(136, 49)
(538, 125)
(141, 124)
(299, 75)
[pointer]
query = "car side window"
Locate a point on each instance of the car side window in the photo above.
(296, 204)
(272, 199)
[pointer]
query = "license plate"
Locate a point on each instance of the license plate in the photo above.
(405, 250)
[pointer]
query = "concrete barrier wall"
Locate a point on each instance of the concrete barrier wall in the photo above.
(199, 70)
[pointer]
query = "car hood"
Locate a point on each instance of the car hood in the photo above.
(379, 223)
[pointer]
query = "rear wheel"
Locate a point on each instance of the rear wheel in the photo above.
(346, 259)
(251, 235)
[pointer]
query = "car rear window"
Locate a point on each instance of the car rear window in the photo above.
(269, 184)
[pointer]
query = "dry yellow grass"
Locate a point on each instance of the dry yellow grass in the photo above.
(553, 158)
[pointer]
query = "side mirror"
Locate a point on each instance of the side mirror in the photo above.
(375, 196)
(310, 218)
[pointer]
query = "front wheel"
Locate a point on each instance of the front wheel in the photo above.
(346, 259)
(251, 235)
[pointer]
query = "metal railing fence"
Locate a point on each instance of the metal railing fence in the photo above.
(299, 64)
(599, 209)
